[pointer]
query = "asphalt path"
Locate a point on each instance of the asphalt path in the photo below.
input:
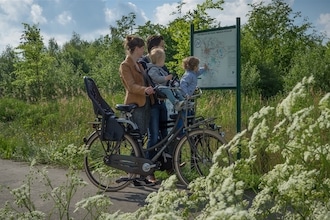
(14, 174)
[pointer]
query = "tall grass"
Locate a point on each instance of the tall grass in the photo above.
(39, 131)
(285, 145)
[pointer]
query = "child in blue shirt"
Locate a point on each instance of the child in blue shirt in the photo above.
(188, 82)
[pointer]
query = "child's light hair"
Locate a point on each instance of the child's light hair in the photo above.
(190, 63)
(156, 55)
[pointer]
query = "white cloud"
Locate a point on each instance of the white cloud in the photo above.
(90, 19)
(137, 10)
(232, 10)
(10, 37)
(122, 9)
(12, 14)
(60, 39)
(36, 15)
(324, 22)
(163, 14)
(227, 16)
(164, 18)
(64, 18)
(14, 10)
(110, 15)
(95, 34)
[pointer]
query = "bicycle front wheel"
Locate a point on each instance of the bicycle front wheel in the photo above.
(101, 175)
(193, 154)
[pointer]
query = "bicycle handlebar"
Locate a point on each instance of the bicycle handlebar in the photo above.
(198, 92)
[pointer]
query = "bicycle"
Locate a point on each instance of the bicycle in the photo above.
(116, 154)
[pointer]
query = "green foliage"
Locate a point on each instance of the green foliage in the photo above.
(309, 63)
(285, 148)
(294, 187)
(11, 109)
(8, 147)
(270, 81)
(40, 131)
(179, 30)
(296, 130)
(31, 68)
(284, 160)
(7, 61)
(270, 41)
(273, 47)
(250, 79)
(124, 27)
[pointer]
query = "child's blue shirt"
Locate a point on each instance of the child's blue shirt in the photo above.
(188, 82)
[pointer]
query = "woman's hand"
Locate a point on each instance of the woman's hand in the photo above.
(149, 90)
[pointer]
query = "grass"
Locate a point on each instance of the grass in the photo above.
(285, 154)
(41, 130)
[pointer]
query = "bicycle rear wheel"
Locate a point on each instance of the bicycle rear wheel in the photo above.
(193, 154)
(102, 176)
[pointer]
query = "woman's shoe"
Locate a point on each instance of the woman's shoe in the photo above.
(151, 178)
(143, 181)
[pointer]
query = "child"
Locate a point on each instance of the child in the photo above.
(188, 82)
(160, 77)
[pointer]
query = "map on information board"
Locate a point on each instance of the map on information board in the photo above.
(217, 49)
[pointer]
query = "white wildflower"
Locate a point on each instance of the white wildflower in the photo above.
(324, 119)
(299, 120)
(286, 106)
(279, 125)
(325, 100)
(264, 111)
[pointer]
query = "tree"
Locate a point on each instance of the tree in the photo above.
(125, 26)
(270, 40)
(31, 68)
(315, 61)
(105, 66)
(7, 76)
(179, 29)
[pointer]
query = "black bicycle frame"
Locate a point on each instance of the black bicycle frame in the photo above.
(163, 144)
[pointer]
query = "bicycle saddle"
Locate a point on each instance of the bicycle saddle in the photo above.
(126, 108)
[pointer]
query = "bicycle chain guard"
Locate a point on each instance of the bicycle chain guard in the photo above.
(130, 164)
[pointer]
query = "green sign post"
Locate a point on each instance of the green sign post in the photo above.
(220, 49)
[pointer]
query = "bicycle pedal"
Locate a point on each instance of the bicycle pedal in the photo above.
(182, 164)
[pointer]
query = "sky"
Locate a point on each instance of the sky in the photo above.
(59, 19)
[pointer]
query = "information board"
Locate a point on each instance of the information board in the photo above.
(218, 49)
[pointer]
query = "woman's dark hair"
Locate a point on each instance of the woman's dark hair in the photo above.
(131, 42)
(153, 41)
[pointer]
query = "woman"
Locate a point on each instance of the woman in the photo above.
(137, 91)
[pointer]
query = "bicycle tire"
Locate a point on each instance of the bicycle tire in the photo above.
(101, 175)
(193, 154)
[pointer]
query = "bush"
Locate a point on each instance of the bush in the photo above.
(11, 109)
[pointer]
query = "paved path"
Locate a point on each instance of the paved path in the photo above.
(13, 175)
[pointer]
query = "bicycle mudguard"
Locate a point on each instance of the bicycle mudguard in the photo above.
(130, 164)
